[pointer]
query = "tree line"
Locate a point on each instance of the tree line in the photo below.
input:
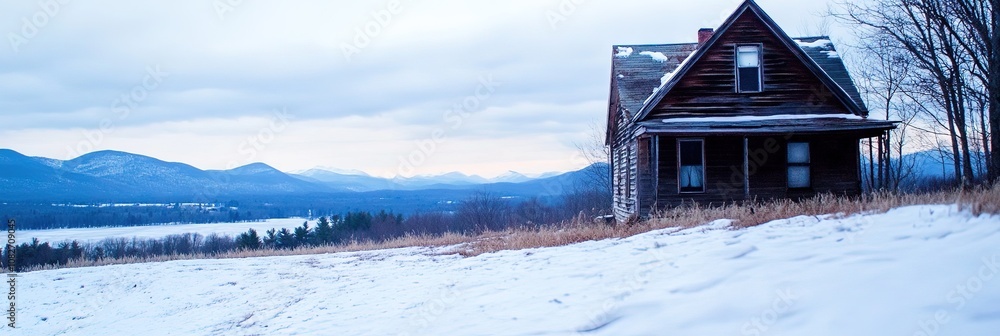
(480, 212)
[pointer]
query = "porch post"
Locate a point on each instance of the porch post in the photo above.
(656, 169)
(746, 168)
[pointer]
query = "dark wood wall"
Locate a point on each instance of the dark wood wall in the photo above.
(710, 86)
(623, 158)
(833, 169)
(644, 178)
(767, 167)
(623, 168)
(723, 160)
(834, 165)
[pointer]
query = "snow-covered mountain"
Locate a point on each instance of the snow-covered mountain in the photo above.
(452, 178)
(345, 179)
(511, 177)
(921, 270)
(543, 175)
(327, 169)
(356, 180)
(106, 175)
(120, 176)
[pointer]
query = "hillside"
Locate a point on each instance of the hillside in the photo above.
(913, 270)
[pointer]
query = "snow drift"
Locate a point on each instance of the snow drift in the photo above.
(920, 270)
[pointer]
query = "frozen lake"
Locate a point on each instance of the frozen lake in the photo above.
(156, 231)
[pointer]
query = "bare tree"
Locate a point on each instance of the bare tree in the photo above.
(942, 64)
(883, 72)
(595, 152)
(484, 210)
(975, 23)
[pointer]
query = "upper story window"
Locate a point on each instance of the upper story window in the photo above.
(748, 69)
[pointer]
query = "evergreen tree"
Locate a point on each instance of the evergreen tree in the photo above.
(357, 221)
(248, 240)
(323, 231)
(271, 240)
(303, 234)
(98, 253)
(75, 250)
(285, 239)
(6, 257)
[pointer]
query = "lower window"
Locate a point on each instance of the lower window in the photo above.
(691, 165)
(798, 165)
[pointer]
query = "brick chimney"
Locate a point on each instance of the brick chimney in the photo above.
(704, 35)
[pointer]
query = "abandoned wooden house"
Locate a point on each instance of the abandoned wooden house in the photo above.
(745, 113)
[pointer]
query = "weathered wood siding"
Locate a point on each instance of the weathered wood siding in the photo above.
(767, 167)
(644, 176)
(625, 182)
(710, 86)
(833, 169)
(624, 157)
(723, 172)
(834, 165)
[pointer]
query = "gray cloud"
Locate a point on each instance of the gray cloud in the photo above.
(262, 56)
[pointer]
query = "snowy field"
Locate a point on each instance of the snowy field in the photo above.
(925, 270)
(155, 231)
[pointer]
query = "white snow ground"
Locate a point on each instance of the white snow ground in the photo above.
(922, 270)
(156, 231)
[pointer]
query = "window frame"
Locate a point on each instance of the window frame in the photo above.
(704, 165)
(760, 67)
(789, 165)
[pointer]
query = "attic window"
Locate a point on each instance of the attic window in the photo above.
(748, 69)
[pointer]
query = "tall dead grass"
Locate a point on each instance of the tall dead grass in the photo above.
(978, 201)
(748, 214)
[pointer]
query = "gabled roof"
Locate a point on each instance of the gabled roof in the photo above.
(639, 69)
(642, 78)
(821, 50)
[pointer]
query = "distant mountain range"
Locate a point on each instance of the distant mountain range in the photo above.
(120, 176)
(360, 181)
(929, 164)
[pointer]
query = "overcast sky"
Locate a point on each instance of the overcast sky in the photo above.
(480, 87)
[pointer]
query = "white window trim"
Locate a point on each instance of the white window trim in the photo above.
(760, 66)
(807, 164)
(704, 165)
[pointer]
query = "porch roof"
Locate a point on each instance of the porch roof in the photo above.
(765, 126)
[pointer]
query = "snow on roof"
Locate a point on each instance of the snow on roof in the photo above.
(815, 44)
(624, 52)
(658, 56)
(760, 118)
(832, 54)
(668, 76)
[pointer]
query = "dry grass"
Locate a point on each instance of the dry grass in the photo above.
(978, 201)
